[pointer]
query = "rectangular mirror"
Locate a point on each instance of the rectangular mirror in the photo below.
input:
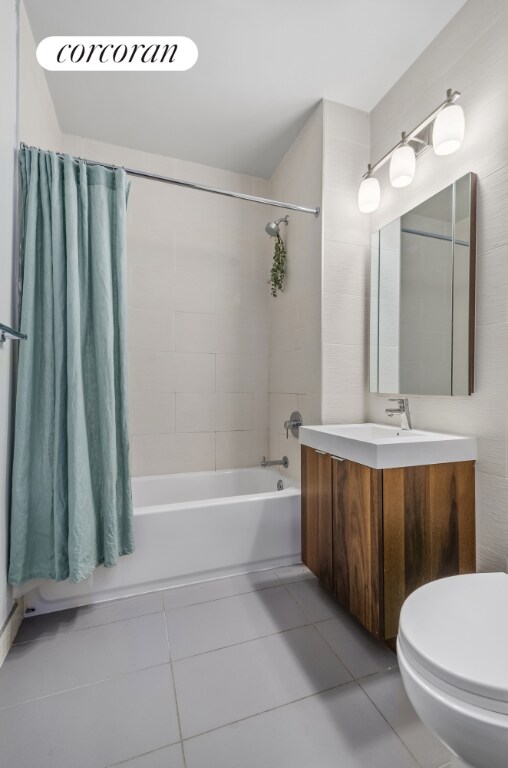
(422, 302)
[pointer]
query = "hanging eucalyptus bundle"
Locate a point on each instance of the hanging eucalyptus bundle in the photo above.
(278, 271)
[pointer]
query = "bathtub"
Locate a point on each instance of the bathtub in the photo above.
(192, 527)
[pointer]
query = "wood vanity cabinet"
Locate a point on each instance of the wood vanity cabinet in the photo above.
(374, 535)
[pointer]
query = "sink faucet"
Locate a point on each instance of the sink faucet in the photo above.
(402, 410)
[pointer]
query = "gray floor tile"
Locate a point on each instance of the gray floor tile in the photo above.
(387, 692)
(169, 757)
(337, 728)
(208, 626)
(217, 588)
(217, 688)
(85, 656)
(357, 649)
(297, 572)
(93, 726)
(49, 624)
(315, 601)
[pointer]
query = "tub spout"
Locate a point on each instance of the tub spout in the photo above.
(284, 462)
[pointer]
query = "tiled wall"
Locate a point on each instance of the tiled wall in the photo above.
(471, 56)
(346, 258)
(295, 315)
(198, 317)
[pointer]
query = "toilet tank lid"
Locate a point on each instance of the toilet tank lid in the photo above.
(457, 628)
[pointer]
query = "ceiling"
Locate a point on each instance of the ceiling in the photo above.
(263, 66)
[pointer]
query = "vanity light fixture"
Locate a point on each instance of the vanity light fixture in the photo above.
(403, 164)
(443, 129)
(369, 193)
(449, 129)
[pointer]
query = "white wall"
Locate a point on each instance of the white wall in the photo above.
(346, 256)
(8, 144)
(471, 56)
(295, 314)
(37, 117)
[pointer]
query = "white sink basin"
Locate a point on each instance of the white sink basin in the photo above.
(384, 447)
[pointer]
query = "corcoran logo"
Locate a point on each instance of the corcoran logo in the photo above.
(116, 54)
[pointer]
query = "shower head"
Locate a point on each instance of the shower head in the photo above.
(272, 228)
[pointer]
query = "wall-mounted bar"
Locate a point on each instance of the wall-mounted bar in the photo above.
(9, 334)
(200, 187)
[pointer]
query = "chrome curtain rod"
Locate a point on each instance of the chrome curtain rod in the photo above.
(200, 187)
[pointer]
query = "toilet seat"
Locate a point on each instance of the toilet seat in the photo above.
(454, 633)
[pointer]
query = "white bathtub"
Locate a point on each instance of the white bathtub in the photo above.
(192, 527)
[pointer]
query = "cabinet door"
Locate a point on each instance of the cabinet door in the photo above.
(317, 513)
(428, 529)
(357, 542)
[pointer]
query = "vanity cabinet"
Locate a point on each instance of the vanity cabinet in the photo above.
(374, 535)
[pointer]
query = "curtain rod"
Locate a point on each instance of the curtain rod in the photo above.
(194, 185)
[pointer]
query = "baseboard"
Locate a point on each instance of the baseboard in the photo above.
(10, 628)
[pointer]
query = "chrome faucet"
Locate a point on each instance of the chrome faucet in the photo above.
(284, 462)
(402, 410)
(293, 423)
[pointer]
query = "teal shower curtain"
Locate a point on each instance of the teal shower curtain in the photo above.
(71, 493)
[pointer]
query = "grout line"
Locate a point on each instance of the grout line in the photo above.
(73, 630)
(144, 754)
(174, 688)
(226, 597)
(83, 685)
(242, 642)
(355, 678)
(392, 727)
(272, 709)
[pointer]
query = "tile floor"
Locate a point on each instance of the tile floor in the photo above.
(262, 670)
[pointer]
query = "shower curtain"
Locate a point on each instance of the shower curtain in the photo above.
(71, 493)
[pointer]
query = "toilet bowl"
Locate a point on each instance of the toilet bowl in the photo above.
(452, 649)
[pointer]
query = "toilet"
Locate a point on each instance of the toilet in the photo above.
(452, 649)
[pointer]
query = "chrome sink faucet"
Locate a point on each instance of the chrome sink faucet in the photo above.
(402, 411)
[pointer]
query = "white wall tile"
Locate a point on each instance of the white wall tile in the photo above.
(172, 453)
(151, 330)
(220, 333)
(241, 449)
(195, 332)
(150, 371)
(193, 372)
(242, 373)
(240, 296)
(346, 269)
(260, 414)
(213, 412)
(151, 414)
(352, 125)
